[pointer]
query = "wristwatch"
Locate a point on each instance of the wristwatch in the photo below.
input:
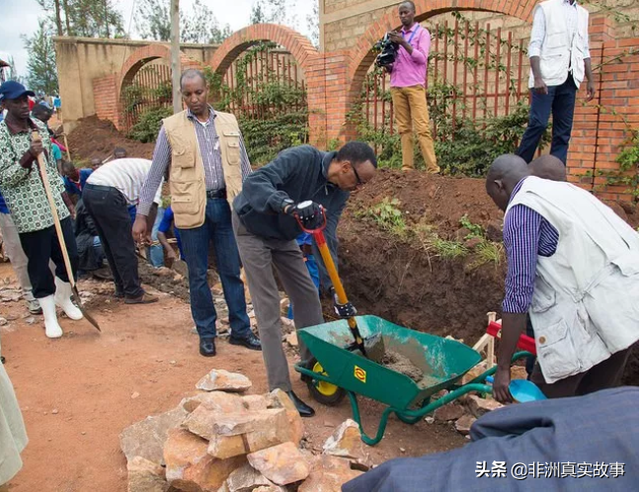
(285, 203)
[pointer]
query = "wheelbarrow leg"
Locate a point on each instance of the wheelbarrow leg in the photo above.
(356, 416)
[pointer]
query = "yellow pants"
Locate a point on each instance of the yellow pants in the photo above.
(410, 106)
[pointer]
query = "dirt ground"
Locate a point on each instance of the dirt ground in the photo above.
(79, 392)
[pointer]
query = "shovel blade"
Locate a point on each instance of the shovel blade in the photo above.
(87, 315)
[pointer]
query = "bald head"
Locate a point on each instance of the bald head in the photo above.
(504, 174)
(548, 167)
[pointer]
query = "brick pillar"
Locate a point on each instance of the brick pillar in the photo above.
(105, 94)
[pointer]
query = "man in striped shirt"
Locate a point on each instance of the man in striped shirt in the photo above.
(203, 153)
(560, 281)
(109, 192)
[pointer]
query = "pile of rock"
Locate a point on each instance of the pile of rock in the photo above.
(221, 440)
(464, 412)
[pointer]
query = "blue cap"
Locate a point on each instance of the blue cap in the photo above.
(13, 90)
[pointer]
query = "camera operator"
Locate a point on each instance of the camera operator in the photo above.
(408, 87)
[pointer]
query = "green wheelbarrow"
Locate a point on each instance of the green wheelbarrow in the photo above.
(335, 371)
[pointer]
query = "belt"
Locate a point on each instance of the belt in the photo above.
(217, 194)
(101, 188)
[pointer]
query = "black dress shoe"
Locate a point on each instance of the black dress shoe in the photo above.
(304, 410)
(207, 347)
(249, 341)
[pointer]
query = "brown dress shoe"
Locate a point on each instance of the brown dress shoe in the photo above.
(141, 300)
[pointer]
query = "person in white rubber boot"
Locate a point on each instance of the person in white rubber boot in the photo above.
(24, 193)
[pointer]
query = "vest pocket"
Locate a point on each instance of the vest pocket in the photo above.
(186, 202)
(556, 352)
(232, 142)
(182, 157)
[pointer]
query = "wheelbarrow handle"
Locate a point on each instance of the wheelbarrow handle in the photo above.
(525, 342)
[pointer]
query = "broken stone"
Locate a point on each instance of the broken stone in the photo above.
(463, 425)
(448, 412)
(214, 401)
(146, 438)
(3, 321)
(346, 442)
(479, 406)
(474, 373)
(224, 380)
(267, 430)
(30, 320)
(135, 395)
(246, 478)
(429, 420)
(190, 468)
(519, 373)
(207, 423)
(279, 399)
(282, 464)
(275, 487)
(328, 473)
(255, 402)
(144, 475)
(287, 325)
(292, 339)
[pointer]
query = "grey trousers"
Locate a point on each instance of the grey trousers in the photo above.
(259, 256)
(13, 247)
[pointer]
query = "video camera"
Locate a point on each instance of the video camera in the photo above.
(388, 51)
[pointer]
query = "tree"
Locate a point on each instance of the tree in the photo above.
(313, 24)
(273, 12)
(42, 75)
(199, 26)
(89, 18)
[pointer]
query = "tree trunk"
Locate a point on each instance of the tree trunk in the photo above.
(58, 18)
(67, 15)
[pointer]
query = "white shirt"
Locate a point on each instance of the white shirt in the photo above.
(127, 175)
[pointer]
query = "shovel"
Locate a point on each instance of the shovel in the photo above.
(373, 346)
(63, 245)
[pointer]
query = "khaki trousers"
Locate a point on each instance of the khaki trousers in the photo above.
(16, 254)
(410, 106)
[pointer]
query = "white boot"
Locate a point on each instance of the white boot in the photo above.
(63, 300)
(48, 305)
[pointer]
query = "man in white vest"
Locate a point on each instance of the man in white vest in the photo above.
(573, 266)
(560, 59)
(203, 152)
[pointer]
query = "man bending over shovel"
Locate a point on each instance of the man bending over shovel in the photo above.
(292, 188)
(22, 187)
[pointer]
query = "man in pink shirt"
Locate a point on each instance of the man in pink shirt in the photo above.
(408, 82)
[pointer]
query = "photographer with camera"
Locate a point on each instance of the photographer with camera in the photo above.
(408, 69)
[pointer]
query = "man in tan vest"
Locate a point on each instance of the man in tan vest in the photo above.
(207, 161)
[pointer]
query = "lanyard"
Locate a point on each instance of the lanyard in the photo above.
(412, 34)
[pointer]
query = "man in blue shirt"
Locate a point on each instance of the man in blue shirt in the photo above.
(74, 179)
(165, 225)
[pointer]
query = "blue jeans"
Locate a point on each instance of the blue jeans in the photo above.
(156, 252)
(560, 101)
(195, 243)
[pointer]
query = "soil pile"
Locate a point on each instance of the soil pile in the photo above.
(94, 138)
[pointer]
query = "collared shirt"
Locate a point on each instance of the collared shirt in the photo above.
(411, 69)
(128, 176)
(209, 145)
(22, 187)
(526, 235)
(539, 29)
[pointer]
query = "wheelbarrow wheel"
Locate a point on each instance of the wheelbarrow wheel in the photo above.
(324, 392)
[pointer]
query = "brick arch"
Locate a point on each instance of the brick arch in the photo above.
(297, 44)
(362, 58)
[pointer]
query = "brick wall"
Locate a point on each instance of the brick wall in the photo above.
(105, 93)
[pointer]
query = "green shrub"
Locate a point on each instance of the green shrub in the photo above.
(148, 125)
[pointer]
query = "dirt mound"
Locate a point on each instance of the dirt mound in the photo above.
(95, 138)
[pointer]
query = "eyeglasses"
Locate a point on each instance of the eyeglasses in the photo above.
(358, 180)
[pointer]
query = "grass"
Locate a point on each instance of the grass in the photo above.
(388, 217)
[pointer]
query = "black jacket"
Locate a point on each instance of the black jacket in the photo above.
(298, 173)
